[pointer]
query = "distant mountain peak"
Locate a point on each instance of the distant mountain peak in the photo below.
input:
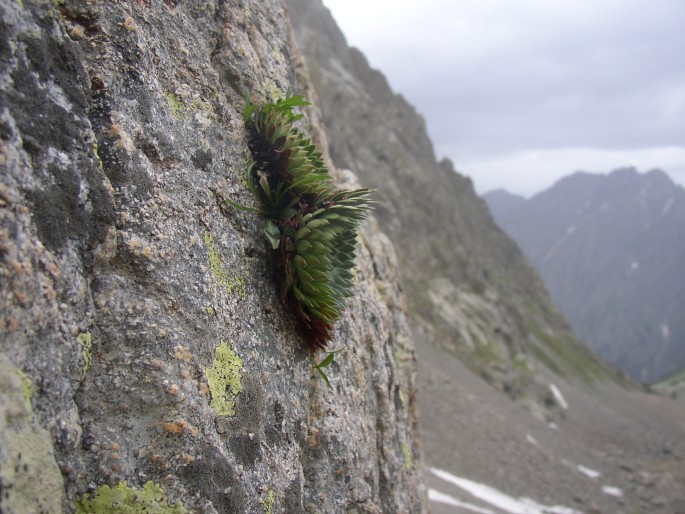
(503, 193)
(623, 220)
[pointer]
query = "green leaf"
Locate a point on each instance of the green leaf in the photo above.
(317, 275)
(299, 262)
(304, 276)
(302, 233)
(324, 376)
(303, 246)
(243, 207)
(272, 234)
(265, 186)
(328, 360)
(317, 223)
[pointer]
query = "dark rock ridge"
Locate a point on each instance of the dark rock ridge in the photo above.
(470, 289)
(502, 203)
(611, 249)
(144, 352)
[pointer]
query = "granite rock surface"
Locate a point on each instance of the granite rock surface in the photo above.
(144, 351)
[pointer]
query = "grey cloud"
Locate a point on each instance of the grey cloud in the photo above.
(496, 77)
(616, 85)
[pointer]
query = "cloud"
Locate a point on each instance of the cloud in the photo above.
(496, 78)
(529, 171)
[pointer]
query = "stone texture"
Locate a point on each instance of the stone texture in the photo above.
(124, 270)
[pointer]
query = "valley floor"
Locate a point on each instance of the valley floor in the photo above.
(611, 451)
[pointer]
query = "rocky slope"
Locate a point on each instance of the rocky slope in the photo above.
(613, 451)
(470, 290)
(579, 438)
(611, 249)
(146, 361)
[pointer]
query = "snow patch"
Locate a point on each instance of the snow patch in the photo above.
(589, 472)
(532, 440)
(668, 205)
(438, 497)
(501, 500)
(569, 232)
(612, 491)
(665, 332)
(558, 396)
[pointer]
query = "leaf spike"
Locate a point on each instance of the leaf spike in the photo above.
(311, 224)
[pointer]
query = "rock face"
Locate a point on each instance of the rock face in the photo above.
(611, 249)
(146, 360)
(469, 288)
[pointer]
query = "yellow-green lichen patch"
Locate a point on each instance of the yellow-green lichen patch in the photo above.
(269, 502)
(122, 499)
(184, 110)
(406, 453)
(85, 339)
(96, 152)
(403, 353)
(231, 281)
(176, 105)
(277, 54)
(31, 480)
(399, 356)
(224, 380)
(272, 92)
(27, 387)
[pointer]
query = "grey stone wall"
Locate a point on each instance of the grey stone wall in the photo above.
(146, 358)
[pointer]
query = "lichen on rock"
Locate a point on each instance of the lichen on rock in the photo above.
(224, 379)
(231, 281)
(127, 277)
(27, 387)
(85, 339)
(123, 499)
(30, 478)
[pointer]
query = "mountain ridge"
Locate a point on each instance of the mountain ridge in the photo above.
(470, 290)
(606, 242)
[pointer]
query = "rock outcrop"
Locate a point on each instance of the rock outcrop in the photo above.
(146, 359)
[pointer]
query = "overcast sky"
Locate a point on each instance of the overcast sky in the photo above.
(518, 93)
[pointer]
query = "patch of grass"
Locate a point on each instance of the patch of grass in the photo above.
(567, 357)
